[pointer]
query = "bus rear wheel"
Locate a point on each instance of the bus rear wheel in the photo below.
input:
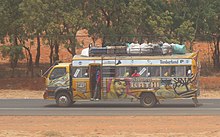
(63, 99)
(148, 100)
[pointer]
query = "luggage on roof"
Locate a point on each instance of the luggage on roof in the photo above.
(97, 51)
(143, 49)
(157, 50)
(166, 49)
(136, 49)
(120, 50)
(178, 49)
(116, 44)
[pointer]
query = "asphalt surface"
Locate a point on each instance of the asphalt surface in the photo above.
(40, 107)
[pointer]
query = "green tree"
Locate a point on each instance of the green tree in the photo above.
(11, 27)
(188, 17)
(10, 19)
(74, 19)
(186, 32)
(34, 21)
(56, 21)
(211, 29)
(14, 53)
(109, 20)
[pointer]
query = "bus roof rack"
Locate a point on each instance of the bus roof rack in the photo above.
(135, 49)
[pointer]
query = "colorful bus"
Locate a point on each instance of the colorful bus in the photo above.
(145, 78)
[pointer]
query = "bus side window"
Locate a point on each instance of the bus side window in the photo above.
(121, 72)
(85, 72)
(80, 72)
(143, 71)
(128, 72)
(180, 71)
(108, 71)
(188, 71)
(173, 71)
(168, 71)
(153, 71)
(76, 72)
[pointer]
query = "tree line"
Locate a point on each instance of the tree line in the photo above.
(56, 23)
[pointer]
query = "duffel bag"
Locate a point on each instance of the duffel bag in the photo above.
(179, 49)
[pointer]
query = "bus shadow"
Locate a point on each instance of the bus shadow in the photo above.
(177, 106)
(124, 105)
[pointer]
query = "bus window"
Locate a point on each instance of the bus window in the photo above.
(108, 71)
(168, 71)
(180, 71)
(57, 73)
(80, 72)
(128, 72)
(143, 71)
(121, 71)
(134, 72)
(124, 71)
(173, 71)
(153, 71)
(188, 71)
(85, 72)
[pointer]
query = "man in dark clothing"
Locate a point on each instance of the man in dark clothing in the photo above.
(97, 86)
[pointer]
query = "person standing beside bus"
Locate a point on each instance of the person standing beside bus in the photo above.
(97, 86)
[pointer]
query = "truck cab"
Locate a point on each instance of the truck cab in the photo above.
(58, 84)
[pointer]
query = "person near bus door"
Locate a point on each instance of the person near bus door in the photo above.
(97, 86)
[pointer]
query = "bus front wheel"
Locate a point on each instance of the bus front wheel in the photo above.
(63, 99)
(148, 100)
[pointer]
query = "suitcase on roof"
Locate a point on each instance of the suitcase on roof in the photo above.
(97, 51)
(118, 50)
(166, 49)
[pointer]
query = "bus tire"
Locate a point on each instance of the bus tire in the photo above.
(148, 100)
(63, 99)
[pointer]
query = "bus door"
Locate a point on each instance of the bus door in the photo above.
(95, 79)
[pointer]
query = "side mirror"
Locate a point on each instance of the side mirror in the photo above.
(42, 74)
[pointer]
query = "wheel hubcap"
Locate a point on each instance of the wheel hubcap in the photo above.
(148, 100)
(63, 100)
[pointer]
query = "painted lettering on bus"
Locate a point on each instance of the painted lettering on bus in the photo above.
(168, 61)
(144, 83)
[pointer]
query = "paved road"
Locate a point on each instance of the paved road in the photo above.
(100, 108)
